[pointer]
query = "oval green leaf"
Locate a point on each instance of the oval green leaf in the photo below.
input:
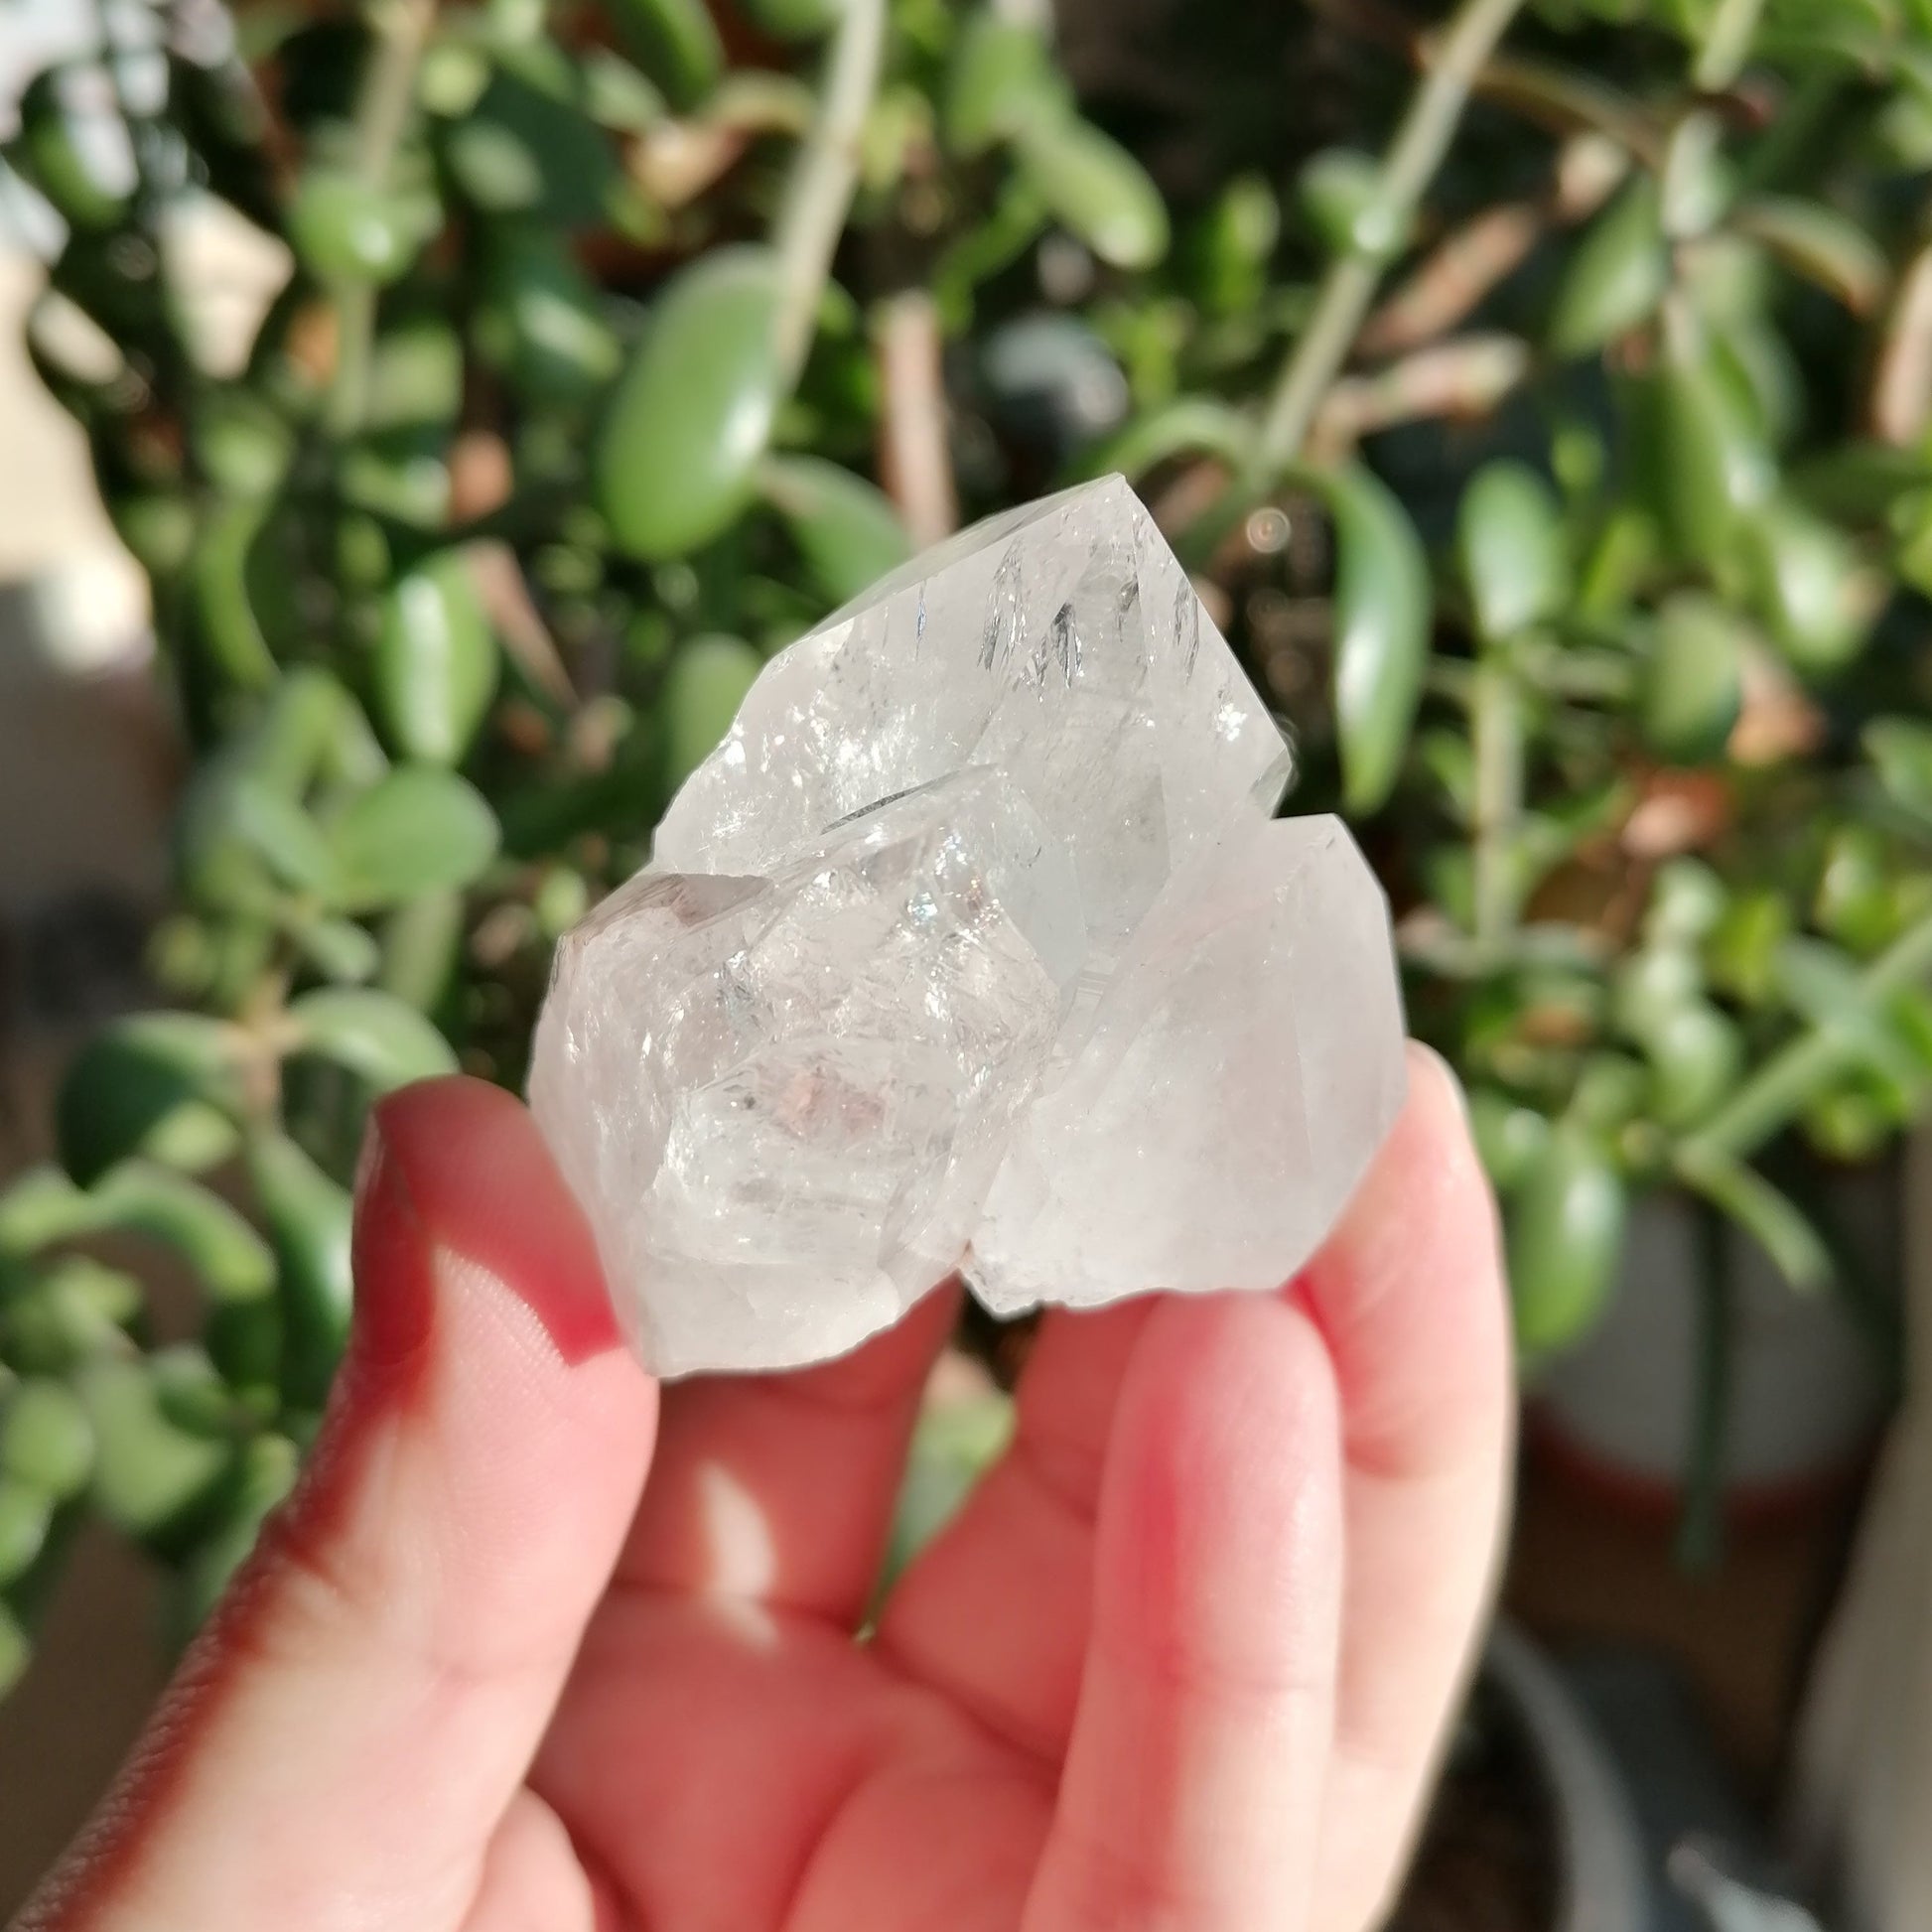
(703, 688)
(1382, 607)
(846, 528)
(692, 414)
(308, 1217)
(1094, 189)
(675, 42)
(164, 1085)
(434, 664)
(1618, 276)
(376, 1035)
(1565, 1238)
(417, 830)
(1510, 542)
(1693, 681)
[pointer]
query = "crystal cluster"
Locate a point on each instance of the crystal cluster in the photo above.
(974, 946)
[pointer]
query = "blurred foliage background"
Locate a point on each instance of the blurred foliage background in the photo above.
(1540, 393)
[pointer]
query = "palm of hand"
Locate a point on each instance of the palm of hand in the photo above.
(1183, 1660)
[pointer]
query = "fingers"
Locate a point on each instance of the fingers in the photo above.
(1193, 1790)
(347, 1734)
(1409, 1296)
(779, 1489)
(994, 1611)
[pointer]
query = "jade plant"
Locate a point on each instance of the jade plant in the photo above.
(1556, 451)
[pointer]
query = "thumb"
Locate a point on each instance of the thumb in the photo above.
(345, 1733)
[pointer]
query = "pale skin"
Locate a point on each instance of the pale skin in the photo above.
(536, 1647)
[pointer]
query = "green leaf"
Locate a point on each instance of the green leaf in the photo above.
(269, 1467)
(434, 668)
(953, 1446)
(1565, 1239)
(795, 20)
(45, 1438)
(1616, 277)
(1826, 987)
(38, 1209)
(1094, 189)
(421, 943)
(417, 830)
(26, 1516)
(1766, 1215)
(1186, 426)
(222, 635)
(539, 320)
(374, 1035)
(308, 1219)
(692, 414)
(1816, 594)
(16, 1651)
(1652, 986)
(1508, 1136)
(66, 1313)
(675, 42)
(338, 949)
(230, 1257)
(150, 1480)
(1696, 1055)
(1692, 679)
(311, 730)
(1000, 78)
(846, 528)
(159, 1084)
(66, 168)
(1509, 534)
(1382, 607)
(241, 840)
(1820, 245)
(348, 233)
(1340, 192)
(703, 688)
(528, 149)
(1696, 464)
(1900, 751)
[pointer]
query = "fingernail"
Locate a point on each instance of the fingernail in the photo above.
(396, 1290)
(480, 1190)
(1449, 1076)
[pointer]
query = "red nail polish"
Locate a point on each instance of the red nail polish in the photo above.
(476, 1182)
(393, 1263)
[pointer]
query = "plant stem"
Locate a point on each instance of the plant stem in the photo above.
(1342, 302)
(1700, 1531)
(1496, 725)
(824, 177)
(1791, 1078)
(401, 29)
(1726, 44)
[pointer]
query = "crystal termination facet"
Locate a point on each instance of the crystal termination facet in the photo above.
(974, 946)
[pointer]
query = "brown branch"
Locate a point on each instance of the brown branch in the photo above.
(1465, 377)
(1900, 405)
(1475, 259)
(915, 455)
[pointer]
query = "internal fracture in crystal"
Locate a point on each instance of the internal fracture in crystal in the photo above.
(974, 946)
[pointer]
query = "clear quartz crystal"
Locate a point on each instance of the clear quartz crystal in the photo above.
(974, 946)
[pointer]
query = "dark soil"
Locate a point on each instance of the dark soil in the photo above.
(1487, 1863)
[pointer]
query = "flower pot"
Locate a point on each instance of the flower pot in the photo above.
(1806, 1388)
(1532, 1830)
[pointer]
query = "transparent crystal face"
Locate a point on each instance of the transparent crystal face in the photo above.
(973, 944)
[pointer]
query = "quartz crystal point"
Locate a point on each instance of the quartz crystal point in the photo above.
(974, 946)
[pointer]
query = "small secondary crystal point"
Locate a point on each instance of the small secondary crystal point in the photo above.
(974, 946)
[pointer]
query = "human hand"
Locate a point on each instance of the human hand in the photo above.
(1183, 1660)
